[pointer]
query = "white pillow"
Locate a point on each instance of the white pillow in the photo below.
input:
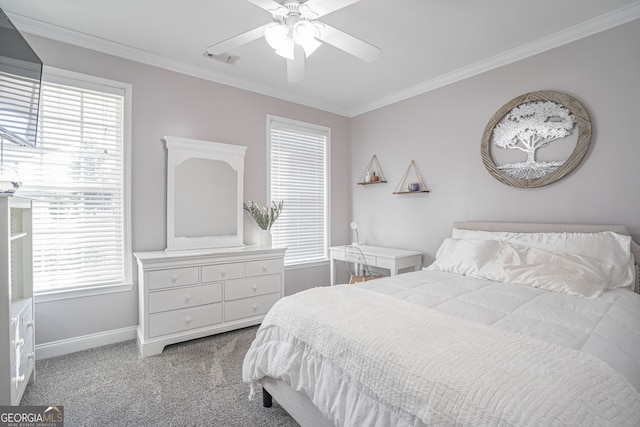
(464, 257)
(609, 248)
(554, 271)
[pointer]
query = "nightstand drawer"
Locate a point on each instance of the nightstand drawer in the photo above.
(249, 307)
(182, 320)
(243, 288)
(184, 297)
(264, 267)
(216, 273)
(173, 277)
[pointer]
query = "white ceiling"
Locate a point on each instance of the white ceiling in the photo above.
(425, 43)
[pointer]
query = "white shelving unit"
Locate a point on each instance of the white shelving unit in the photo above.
(17, 337)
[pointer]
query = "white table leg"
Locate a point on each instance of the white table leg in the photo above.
(332, 271)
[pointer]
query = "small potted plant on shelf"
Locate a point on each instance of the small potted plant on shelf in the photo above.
(265, 217)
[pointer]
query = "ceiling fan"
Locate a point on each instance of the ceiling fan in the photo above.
(295, 34)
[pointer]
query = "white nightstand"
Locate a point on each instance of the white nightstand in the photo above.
(374, 256)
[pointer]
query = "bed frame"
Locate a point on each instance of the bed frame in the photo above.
(302, 409)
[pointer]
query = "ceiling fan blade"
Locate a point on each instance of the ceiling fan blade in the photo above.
(295, 67)
(348, 43)
(236, 41)
(325, 7)
(270, 6)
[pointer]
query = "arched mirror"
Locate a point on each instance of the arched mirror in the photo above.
(205, 182)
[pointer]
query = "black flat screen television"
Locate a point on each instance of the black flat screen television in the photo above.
(20, 78)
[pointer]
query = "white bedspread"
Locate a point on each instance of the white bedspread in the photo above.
(607, 327)
(365, 358)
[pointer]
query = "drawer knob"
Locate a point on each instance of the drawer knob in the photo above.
(264, 268)
(187, 320)
(255, 307)
(19, 343)
(223, 273)
(174, 278)
(30, 324)
(31, 356)
(255, 288)
(187, 298)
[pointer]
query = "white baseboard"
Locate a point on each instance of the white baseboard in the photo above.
(85, 342)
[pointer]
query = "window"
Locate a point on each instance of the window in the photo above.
(77, 175)
(298, 167)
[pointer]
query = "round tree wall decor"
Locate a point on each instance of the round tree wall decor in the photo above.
(536, 139)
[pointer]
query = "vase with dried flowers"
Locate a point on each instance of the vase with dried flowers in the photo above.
(265, 217)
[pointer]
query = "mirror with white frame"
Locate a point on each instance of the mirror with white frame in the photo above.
(205, 182)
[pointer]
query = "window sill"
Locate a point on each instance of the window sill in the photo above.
(65, 294)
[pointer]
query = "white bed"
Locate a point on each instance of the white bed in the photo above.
(442, 348)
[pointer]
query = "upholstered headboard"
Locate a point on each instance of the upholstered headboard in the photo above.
(527, 227)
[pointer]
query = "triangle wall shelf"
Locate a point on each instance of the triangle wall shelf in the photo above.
(412, 181)
(372, 173)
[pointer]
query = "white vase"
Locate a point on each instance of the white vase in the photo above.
(265, 237)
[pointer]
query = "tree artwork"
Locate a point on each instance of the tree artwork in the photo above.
(529, 127)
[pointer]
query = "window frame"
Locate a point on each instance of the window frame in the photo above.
(293, 124)
(85, 81)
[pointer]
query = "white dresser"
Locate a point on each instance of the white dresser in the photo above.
(186, 295)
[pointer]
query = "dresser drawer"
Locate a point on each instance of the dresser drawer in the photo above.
(26, 322)
(261, 285)
(159, 279)
(27, 357)
(182, 320)
(20, 372)
(14, 335)
(184, 297)
(218, 272)
(249, 307)
(264, 267)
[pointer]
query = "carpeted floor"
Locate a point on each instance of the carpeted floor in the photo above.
(197, 383)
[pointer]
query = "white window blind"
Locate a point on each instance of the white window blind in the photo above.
(298, 165)
(76, 176)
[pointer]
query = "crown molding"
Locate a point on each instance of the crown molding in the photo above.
(601, 23)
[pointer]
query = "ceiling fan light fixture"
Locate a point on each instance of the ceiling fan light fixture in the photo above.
(304, 34)
(303, 31)
(295, 34)
(275, 34)
(306, 12)
(286, 48)
(310, 46)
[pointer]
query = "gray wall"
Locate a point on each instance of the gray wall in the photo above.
(441, 130)
(168, 103)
